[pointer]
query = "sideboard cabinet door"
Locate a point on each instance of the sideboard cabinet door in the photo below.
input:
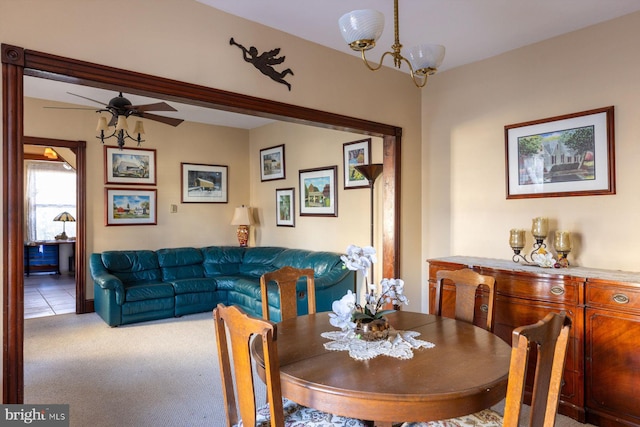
(612, 366)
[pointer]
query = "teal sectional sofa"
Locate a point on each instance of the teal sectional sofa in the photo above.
(140, 285)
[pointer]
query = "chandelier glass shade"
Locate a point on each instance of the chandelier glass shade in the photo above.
(361, 29)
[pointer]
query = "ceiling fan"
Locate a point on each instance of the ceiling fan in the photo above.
(121, 108)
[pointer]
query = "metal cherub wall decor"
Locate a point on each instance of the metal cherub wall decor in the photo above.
(265, 62)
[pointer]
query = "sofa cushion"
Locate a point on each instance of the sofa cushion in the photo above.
(148, 291)
(258, 261)
(133, 267)
(185, 286)
(228, 283)
(180, 263)
(222, 260)
(249, 286)
(321, 262)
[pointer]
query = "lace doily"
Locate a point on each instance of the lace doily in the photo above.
(400, 344)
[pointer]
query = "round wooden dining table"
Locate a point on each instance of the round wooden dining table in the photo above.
(466, 371)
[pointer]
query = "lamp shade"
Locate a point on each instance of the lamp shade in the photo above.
(50, 153)
(426, 57)
(364, 24)
(102, 124)
(122, 123)
(241, 216)
(64, 217)
(139, 128)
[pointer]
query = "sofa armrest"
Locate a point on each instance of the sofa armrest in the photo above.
(104, 279)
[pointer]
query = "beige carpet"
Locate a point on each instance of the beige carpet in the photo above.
(160, 373)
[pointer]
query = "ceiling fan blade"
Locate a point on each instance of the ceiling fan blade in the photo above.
(71, 108)
(158, 106)
(89, 99)
(113, 121)
(162, 119)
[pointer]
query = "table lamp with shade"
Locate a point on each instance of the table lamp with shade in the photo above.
(64, 217)
(242, 218)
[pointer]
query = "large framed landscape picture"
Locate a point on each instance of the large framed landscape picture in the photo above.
(318, 196)
(204, 183)
(129, 166)
(570, 155)
(126, 206)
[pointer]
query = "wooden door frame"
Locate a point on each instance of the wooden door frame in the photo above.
(79, 148)
(18, 62)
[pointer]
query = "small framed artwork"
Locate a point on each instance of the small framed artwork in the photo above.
(204, 183)
(285, 207)
(355, 154)
(125, 206)
(570, 155)
(318, 196)
(272, 163)
(129, 166)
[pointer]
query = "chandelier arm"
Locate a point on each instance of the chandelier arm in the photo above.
(416, 79)
(369, 65)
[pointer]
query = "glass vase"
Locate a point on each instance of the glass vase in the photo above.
(372, 329)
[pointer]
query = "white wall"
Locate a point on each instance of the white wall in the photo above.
(465, 111)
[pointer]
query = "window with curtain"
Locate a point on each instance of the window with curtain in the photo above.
(50, 189)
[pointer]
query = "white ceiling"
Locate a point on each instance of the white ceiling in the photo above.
(470, 30)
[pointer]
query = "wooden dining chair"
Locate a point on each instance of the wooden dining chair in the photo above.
(233, 326)
(466, 282)
(286, 278)
(550, 337)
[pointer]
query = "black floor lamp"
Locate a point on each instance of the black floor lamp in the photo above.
(371, 172)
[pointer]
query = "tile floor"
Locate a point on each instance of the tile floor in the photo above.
(49, 294)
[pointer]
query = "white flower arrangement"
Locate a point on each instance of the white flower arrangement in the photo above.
(346, 311)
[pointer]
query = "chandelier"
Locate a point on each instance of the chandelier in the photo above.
(362, 28)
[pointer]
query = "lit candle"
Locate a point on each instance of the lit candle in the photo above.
(562, 241)
(516, 238)
(540, 227)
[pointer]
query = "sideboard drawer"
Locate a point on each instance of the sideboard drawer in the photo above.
(613, 296)
(561, 291)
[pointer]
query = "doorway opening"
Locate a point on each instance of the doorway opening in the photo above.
(50, 230)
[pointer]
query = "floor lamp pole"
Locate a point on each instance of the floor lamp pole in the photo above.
(371, 172)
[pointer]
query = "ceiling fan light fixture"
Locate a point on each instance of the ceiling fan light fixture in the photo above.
(362, 28)
(139, 128)
(122, 123)
(102, 124)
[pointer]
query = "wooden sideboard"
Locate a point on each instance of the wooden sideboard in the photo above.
(601, 383)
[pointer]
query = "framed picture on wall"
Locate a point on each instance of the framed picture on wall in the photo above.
(272, 163)
(203, 183)
(129, 166)
(570, 155)
(318, 196)
(285, 207)
(126, 206)
(355, 154)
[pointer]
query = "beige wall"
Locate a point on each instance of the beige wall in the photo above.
(465, 111)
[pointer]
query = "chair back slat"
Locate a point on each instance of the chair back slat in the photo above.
(549, 338)
(234, 326)
(286, 279)
(466, 282)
